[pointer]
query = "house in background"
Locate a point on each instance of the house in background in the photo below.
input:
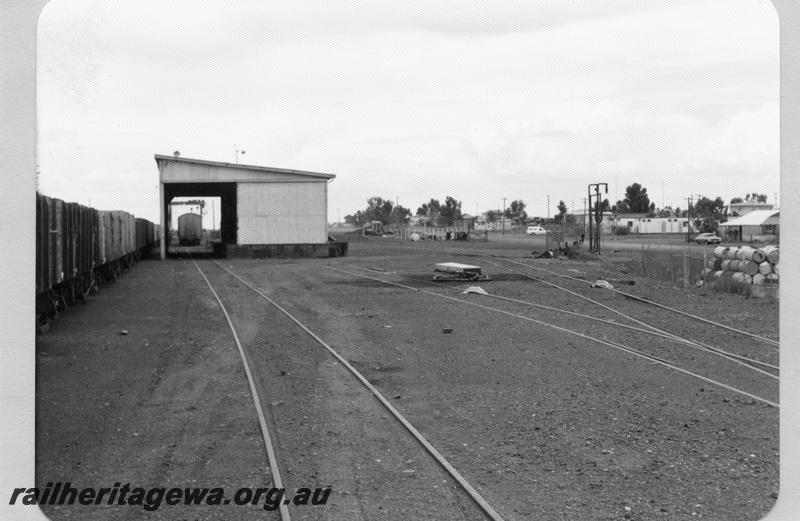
(641, 223)
(582, 220)
(755, 225)
(743, 208)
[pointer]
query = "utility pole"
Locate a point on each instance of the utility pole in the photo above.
(585, 217)
(503, 217)
(546, 234)
(589, 217)
(237, 152)
(689, 203)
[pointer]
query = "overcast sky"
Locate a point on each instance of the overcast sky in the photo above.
(417, 99)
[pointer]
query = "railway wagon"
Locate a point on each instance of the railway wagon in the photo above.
(67, 248)
(146, 236)
(78, 247)
(117, 237)
(190, 229)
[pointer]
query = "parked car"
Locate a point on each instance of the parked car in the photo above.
(535, 230)
(708, 238)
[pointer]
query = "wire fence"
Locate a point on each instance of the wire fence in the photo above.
(680, 266)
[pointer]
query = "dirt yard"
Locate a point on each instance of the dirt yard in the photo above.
(145, 385)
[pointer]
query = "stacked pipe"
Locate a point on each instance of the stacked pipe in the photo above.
(744, 264)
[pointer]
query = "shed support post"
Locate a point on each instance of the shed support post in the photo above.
(163, 231)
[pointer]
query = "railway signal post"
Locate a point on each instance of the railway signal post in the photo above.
(595, 214)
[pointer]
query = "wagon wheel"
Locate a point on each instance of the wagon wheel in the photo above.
(83, 288)
(94, 283)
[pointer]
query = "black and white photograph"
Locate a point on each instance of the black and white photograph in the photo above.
(424, 260)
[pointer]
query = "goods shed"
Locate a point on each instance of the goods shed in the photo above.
(265, 211)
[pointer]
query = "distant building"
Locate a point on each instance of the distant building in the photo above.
(501, 223)
(756, 225)
(581, 220)
(419, 220)
(633, 222)
(738, 209)
(641, 223)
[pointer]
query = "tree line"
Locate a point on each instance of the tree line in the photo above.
(434, 212)
(706, 213)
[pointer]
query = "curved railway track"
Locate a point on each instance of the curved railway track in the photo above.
(645, 328)
(746, 383)
(659, 358)
(694, 317)
(653, 329)
(274, 463)
(735, 338)
(713, 323)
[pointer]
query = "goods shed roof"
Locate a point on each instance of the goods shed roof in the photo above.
(754, 218)
(184, 169)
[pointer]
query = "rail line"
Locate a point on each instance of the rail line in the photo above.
(744, 361)
(268, 445)
(659, 305)
(611, 344)
(666, 334)
(695, 343)
(765, 340)
(487, 509)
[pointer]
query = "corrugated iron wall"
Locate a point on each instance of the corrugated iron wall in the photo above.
(282, 213)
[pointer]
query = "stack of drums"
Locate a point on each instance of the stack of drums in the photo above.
(744, 264)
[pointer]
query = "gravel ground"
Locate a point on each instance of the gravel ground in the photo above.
(545, 425)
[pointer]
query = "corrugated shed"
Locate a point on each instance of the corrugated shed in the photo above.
(755, 218)
(282, 213)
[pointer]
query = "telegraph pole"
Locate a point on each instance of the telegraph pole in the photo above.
(237, 152)
(546, 234)
(690, 201)
(585, 217)
(503, 217)
(589, 217)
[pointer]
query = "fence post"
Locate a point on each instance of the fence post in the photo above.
(644, 263)
(686, 267)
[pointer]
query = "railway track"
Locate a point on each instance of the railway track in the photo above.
(662, 351)
(276, 462)
(744, 345)
(737, 331)
(649, 327)
(638, 401)
(643, 327)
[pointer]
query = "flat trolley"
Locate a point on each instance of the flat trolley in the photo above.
(454, 271)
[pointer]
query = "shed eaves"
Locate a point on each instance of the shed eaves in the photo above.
(240, 166)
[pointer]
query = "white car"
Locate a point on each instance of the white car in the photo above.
(535, 230)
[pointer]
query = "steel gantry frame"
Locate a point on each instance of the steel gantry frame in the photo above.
(596, 215)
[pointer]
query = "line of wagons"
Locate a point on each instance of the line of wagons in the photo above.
(78, 248)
